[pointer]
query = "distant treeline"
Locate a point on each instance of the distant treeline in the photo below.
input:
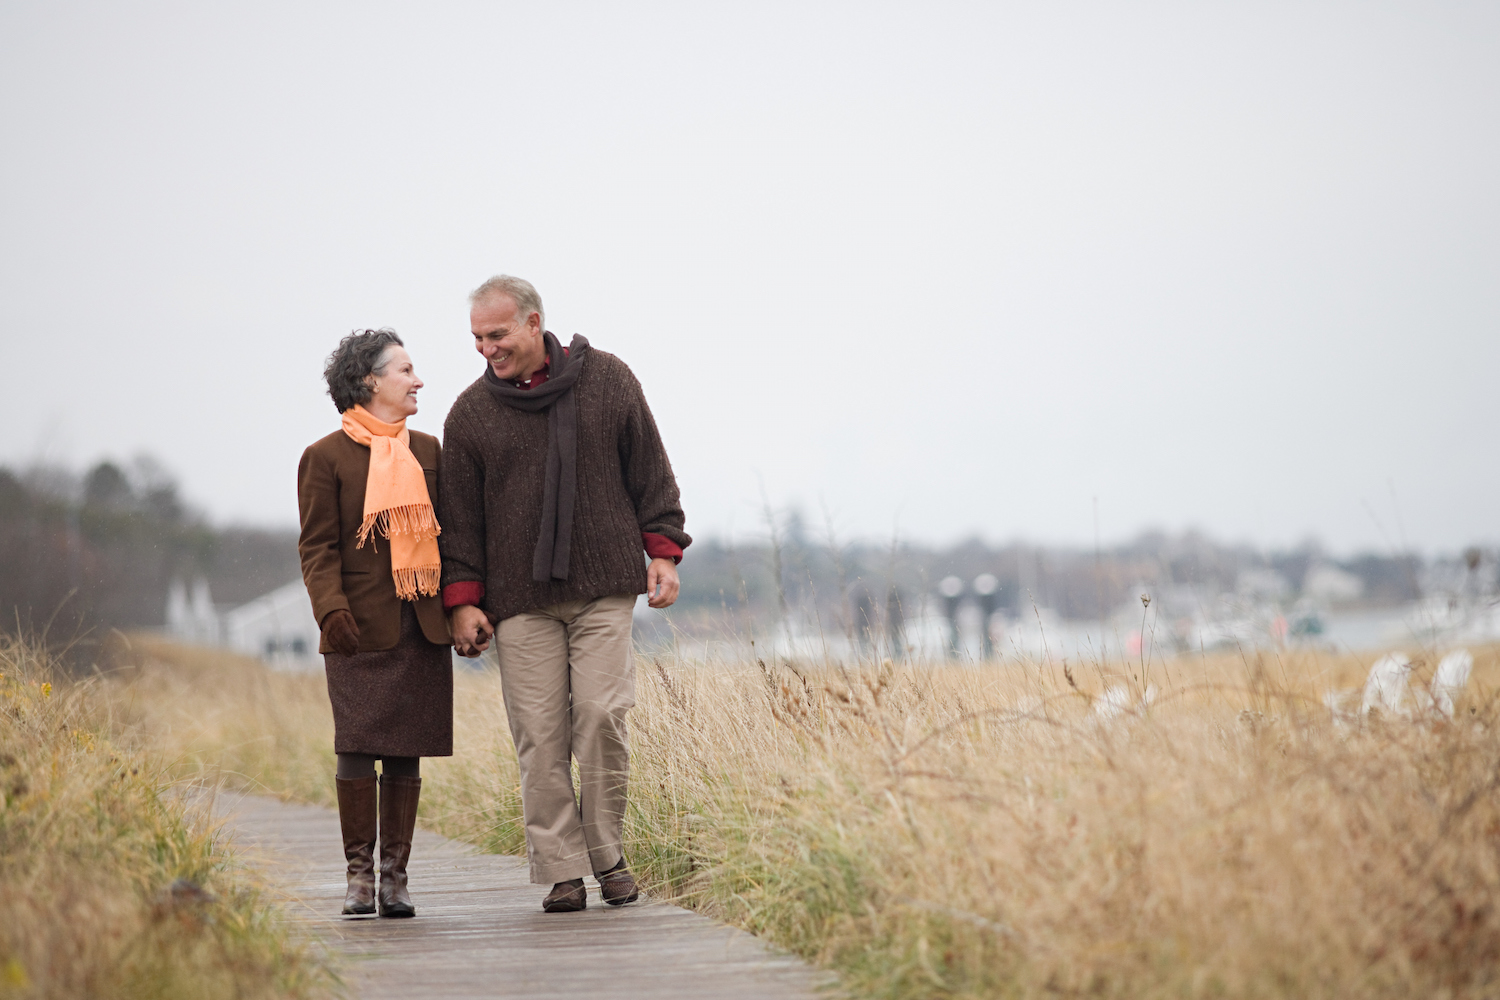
(99, 550)
(81, 554)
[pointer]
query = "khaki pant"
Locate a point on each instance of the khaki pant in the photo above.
(568, 675)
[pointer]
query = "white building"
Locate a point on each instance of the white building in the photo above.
(1329, 584)
(1260, 583)
(278, 627)
(190, 614)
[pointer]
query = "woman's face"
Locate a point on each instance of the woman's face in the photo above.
(393, 393)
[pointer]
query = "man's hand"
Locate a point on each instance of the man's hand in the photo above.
(661, 583)
(342, 632)
(471, 630)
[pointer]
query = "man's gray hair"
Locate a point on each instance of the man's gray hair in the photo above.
(521, 292)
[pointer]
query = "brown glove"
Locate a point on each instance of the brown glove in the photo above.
(341, 632)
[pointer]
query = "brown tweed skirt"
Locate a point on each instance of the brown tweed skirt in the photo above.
(394, 702)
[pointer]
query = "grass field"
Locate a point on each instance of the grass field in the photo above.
(115, 885)
(981, 831)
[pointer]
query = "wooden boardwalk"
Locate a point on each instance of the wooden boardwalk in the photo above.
(480, 930)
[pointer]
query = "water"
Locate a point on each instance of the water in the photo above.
(1042, 636)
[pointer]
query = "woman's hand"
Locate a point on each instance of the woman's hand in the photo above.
(342, 632)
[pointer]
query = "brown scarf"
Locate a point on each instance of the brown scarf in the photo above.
(396, 504)
(555, 396)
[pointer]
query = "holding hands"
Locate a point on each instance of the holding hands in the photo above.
(471, 630)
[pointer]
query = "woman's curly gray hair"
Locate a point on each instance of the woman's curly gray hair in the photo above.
(358, 356)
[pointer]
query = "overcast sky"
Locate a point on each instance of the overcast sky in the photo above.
(942, 268)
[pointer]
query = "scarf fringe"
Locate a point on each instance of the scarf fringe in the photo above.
(417, 520)
(414, 581)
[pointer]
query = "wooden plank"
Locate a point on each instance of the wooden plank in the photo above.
(480, 930)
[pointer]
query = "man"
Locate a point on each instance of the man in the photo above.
(554, 480)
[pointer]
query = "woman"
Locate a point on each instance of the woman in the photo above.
(371, 565)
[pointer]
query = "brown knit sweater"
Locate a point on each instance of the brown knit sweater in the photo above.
(490, 495)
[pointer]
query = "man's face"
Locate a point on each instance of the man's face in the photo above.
(512, 345)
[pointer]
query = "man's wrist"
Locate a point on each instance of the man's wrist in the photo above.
(463, 592)
(661, 547)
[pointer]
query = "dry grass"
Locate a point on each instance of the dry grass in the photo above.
(116, 886)
(979, 832)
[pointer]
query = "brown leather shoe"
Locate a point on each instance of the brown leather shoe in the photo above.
(617, 885)
(567, 897)
(357, 818)
(398, 819)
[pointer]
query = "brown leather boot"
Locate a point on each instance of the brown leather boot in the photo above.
(398, 818)
(357, 818)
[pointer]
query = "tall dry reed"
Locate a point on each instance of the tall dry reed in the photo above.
(115, 885)
(984, 831)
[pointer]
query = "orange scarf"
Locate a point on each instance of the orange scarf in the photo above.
(397, 505)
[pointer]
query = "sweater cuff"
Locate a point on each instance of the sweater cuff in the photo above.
(661, 547)
(463, 592)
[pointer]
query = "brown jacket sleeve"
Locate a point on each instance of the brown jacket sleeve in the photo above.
(318, 544)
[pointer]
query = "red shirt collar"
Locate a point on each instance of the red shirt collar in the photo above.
(537, 377)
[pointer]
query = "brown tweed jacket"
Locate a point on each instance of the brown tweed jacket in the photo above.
(331, 496)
